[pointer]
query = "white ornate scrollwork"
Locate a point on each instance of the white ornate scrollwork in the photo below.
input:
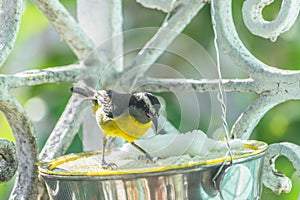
(255, 22)
(275, 85)
(10, 18)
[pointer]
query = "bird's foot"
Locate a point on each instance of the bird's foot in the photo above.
(108, 166)
(148, 158)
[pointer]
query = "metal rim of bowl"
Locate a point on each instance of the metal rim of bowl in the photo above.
(46, 170)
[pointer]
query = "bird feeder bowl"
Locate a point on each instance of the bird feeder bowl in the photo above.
(77, 176)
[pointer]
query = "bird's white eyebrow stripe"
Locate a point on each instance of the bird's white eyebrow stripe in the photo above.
(150, 103)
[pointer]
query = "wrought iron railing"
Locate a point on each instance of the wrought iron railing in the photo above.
(272, 85)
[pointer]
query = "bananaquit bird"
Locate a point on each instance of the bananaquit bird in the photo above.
(123, 115)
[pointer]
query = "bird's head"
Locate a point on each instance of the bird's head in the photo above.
(145, 107)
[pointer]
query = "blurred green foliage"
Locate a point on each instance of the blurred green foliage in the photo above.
(38, 46)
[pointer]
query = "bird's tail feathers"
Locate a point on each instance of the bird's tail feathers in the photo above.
(83, 90)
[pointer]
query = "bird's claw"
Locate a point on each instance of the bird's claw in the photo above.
(148, 159)
(109, 166)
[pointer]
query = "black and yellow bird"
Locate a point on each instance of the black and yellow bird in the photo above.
(123, 115)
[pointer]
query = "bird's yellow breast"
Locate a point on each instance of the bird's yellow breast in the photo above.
(124, 126)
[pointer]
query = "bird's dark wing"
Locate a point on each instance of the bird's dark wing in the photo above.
(120, 103)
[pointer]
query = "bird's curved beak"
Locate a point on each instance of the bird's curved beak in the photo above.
(154, 119)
